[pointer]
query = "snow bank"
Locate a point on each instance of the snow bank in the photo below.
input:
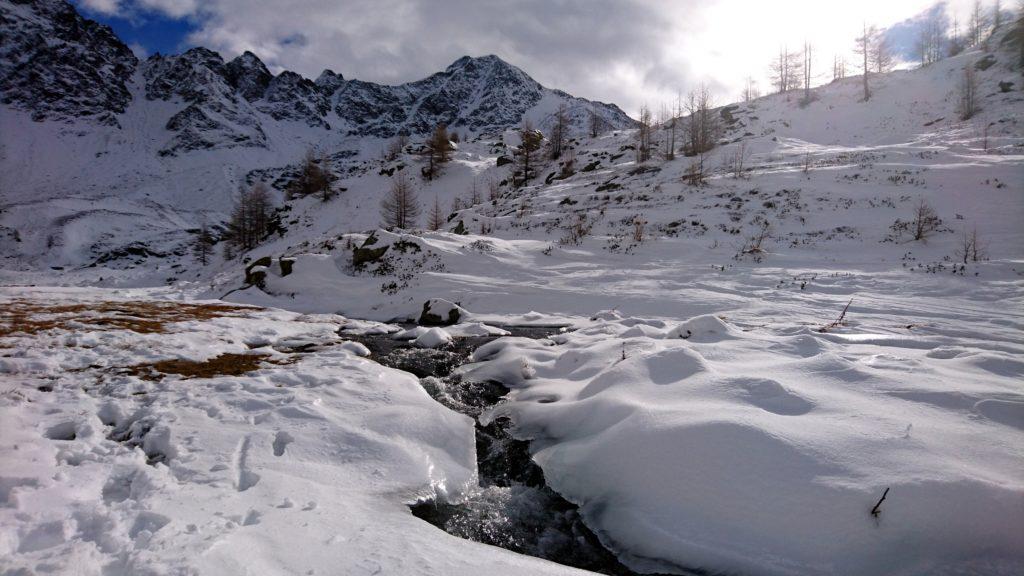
(303, 466)
(703, 447)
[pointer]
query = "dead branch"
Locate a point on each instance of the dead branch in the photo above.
(876, 510)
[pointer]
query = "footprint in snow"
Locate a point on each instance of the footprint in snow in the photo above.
(281, 441)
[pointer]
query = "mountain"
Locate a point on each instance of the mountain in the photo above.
(60, 66)
(128, 152)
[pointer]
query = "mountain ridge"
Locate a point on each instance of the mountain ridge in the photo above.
(89, 74)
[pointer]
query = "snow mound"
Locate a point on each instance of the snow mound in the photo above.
(752, 452)
(433, 338)
(705, 328)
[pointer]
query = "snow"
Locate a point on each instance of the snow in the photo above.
(433, 338)
(302, 467)
(765, 453)
(696, 406)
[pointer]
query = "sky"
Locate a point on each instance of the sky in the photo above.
(629, 52)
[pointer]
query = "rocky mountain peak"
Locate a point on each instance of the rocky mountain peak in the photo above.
(249, 75)
(60, 66)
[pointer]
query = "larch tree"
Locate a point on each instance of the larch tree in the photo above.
(977, 23)
(750, 91)
(780, 70)
(315, 178)
(530, 142)
(250, 217)
(400, 207)
(838, 67)
(968, 105)
(703, 127)
(932, 37)
(807, 55)
(595, 123)
(863, 49)
(436, 150)
(202, 246)
(559, 132)
(435, 217)
(882, 59)
(643, 135)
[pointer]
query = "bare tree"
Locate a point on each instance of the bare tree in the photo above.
(595, 123)
(881, 55)
(736, 161)
(643, 135)
(977, 23)
(314, 178)
(777, 71)
(435, 218)
(970, 249)
(703, 127)
(474, 195)
(639, 223)
(968, 105)
(838, 67)
(930, 42)
(925, 221)
(559, 132)
(667, 118)
(202, 246)
(807, 72)
(955, 42)
(396, 146)
(863, 49)
(997, 15)
(250, 217)
(400, 207)
(493, 190)
(750, 90)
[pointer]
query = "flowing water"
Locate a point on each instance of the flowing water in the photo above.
(514, 508)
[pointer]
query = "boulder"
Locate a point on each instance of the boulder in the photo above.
(256, 272)
(440, 312)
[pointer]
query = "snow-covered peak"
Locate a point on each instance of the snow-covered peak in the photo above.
(249, 75)
(328, 81)
(56, 65)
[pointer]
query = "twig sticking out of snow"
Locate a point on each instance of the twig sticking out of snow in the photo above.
(839, 321)
(876, 510)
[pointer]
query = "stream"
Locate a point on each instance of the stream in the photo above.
(514, 508)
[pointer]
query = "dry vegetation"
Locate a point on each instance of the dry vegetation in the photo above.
(224, 365)
(28, 317)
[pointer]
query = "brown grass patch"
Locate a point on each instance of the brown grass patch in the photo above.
(226, 364)
(29, 317)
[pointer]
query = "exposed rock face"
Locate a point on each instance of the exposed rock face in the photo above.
(56, 64)
(248, 75)
(60, 66)
(216, 115)
(292, 97)
(479, 94)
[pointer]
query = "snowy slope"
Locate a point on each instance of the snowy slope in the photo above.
(171, 138)
(755, 443)
(304, 466)
(713, 411)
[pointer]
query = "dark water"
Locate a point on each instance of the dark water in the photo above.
(514, 509)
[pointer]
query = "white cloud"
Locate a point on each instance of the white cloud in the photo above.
(108, 7)
(139, 50)
(172, 8)
(625, 51)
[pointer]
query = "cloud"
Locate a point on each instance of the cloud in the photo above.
(600, 49)
(107, 7)
(139, 50)
(624, 51)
